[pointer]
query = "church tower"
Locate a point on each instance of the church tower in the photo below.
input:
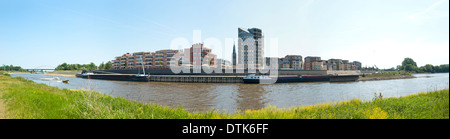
(234, 56)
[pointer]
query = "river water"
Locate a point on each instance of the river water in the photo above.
(229, 97)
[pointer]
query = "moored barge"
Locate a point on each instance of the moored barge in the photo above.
(261, 79)
(118, 77)
(265, 79)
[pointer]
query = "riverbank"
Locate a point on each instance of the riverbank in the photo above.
(60, 75)
(26, 99)
(63, 73)
(385, 77)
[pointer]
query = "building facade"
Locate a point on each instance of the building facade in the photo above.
(198, 54)
(151, 60)
(308, 65)
(295, 62)
(250, 48)
(357, 65)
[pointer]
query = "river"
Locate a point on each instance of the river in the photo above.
(229, 97)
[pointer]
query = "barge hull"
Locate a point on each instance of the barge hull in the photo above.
(289, 80)
(117, 77)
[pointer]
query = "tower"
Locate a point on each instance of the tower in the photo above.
(250, 48)
(234, 56)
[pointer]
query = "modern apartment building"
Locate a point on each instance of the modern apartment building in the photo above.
(336, 64)
(295, 62)
(339, 64)
(224, 63)
(309, 60)
(151, 60)
(250, 48)
(289, 62)
(357, 65)
(198, 54)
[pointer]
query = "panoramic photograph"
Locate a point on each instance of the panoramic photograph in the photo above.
(224, 59)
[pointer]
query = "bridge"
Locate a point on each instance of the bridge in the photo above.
(41, 69)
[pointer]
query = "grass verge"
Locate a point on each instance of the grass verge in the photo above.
(25, 99)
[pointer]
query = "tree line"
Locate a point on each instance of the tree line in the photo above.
(410, 65)
(12, 68)
(91, 66)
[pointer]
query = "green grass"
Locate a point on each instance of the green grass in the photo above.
(27, 99)
(388, 74)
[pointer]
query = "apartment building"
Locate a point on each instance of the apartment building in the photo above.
(151, 60)
(198, 54)
(309, 60)
(250, 48)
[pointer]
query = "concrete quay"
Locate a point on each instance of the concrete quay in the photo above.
(196, 79)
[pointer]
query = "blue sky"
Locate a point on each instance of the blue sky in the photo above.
(375, 32)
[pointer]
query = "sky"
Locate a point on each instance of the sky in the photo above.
(46, 33)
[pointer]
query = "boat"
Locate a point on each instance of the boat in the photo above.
(261, 79)
(65, 81)
(121, 77)
(85, 74)
(143, 75)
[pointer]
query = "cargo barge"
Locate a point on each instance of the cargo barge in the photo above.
(264, 79)
(117, 77)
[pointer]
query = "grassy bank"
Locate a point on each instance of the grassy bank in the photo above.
(387, 75)
(26, 99)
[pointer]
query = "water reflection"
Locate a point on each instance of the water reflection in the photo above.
(250, 96)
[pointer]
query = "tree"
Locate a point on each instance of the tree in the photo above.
(101, 66)
(108, 65)
(437, 69)
(92, 66)
(399, 67)
(408, 64)
(444, 68)
(428, 68)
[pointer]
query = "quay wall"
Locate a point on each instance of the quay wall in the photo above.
(197, 79)
(223, 73)
(166, 75)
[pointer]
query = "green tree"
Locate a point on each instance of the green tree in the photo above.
(92, 66)
(408, 64)
(428, 68)
(444, 68)
(437, 69)
(399, 67)
(108, 65)
(101, 66)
